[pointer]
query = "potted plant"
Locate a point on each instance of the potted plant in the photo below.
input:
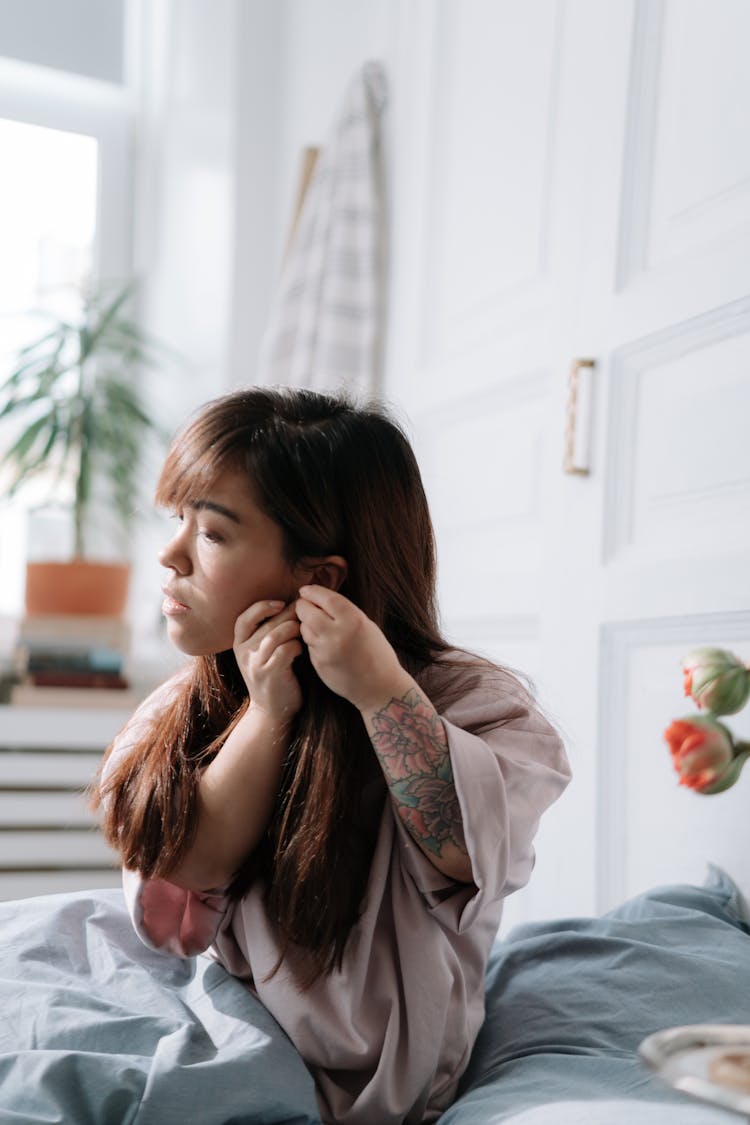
(78, 423)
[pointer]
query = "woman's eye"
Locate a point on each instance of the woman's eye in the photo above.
(212, 536)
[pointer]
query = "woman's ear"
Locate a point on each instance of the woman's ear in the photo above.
(330, 571)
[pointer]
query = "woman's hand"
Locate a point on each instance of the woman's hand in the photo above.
(266, 643)
(352, 656)
(348, 650)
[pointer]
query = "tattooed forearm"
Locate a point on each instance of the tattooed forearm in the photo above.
(411, 743)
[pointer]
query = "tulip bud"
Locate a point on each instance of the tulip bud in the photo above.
(703, 753)
(716, 680)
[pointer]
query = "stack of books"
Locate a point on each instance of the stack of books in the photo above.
(72, 660)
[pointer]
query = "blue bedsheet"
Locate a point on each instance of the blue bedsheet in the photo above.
(96, 1028)
(569, 1001)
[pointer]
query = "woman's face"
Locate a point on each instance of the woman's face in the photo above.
(225, 555)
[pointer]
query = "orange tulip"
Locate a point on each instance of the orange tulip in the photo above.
(703, 753)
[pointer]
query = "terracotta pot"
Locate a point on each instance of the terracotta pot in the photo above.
(76, 587)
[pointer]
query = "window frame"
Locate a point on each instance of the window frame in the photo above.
(37, 95)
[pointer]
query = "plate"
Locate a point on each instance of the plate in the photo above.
(684, 1056)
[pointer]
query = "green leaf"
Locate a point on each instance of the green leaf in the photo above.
(24, 443)
(28, 348)
(121, 398)
(44, 360)
(43, 387)
(84, 343)
(107, 316)
(31, 466)
(80, 410)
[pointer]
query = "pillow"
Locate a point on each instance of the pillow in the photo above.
(569, 1001)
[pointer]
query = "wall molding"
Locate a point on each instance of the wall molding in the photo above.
(640, 136)
(628, 367)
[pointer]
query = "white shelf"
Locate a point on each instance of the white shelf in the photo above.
(43, 808)
(33, 770)
(61, 728)
(58, 849)
(49, 840)
(29, 884)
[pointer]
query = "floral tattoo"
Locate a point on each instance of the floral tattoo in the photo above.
(410, 742)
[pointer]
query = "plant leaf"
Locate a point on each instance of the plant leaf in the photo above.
(83, 411)
(105, 318)
(24, 443)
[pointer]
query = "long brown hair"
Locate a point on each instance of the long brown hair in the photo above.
(337, 479)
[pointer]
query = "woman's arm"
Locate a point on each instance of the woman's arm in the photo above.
(412, 748)
(354, 658)
(238, 789)
(236, 795)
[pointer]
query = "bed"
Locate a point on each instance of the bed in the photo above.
(97, 1029)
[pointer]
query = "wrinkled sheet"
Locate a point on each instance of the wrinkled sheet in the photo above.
(95, 1028)
(98, 1029)
(569, 1001)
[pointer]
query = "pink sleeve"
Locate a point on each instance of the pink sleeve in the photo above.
(170, 918)
(505, 778)
(165, 916)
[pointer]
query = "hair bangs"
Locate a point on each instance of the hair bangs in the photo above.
(193, 464)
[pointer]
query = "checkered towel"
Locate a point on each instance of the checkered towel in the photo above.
(325, 326)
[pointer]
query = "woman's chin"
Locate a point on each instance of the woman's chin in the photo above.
(195, 645)
(200, 650)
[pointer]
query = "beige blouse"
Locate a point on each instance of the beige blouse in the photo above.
(388, 1036)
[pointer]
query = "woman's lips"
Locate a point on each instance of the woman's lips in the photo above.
(172, 608)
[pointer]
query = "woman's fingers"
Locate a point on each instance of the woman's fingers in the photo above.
(284, 655)
(278, 634)
(266, 645)
(312, 619)
(328, 601)
(256, 621)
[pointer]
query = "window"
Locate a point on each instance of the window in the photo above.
(65, 219)
(47, 225)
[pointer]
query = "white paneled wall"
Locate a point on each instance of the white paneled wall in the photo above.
(565, 188)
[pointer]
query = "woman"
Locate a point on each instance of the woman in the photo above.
(328, 796)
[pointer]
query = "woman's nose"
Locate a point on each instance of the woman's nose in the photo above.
(174, 556)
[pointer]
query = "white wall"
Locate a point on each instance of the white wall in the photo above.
(80, 36)
(295, 60)
(257, 211)
(231, 94)
(323, 45)
(185, 158)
